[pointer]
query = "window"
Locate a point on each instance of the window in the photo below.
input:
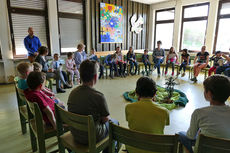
(164, 23)
(222, 29)
(194, 24)
(71, 24)
(24, 14)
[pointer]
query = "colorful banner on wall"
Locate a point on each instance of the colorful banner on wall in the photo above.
(111, 26)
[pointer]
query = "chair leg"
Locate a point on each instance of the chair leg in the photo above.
(139, 69)
(23, 122)
(33, 141)
(41, 144)
(106, 73)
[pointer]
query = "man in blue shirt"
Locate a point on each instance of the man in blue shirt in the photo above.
(32, 43)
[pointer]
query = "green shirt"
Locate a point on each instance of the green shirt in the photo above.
(146, 116)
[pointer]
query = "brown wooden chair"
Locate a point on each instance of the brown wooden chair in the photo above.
(212, 145)
(40, 132)
(81, 123)
(140, 140)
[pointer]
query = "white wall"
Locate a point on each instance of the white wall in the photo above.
(178, 4)
(7, 63)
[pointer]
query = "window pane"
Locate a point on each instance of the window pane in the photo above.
(196, 11)
(194, 34)
(165, 15)
(223, 37)
(225, 9)
(71, 31)
(164, 32)
(31, 4)
(21, 22)
(70, 7)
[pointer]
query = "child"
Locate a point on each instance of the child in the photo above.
(71, 68)
(23, 69)
(145, 60)
(36, 83)
(37, 67)
(171, 59)
(131, 58)
(93, 57)
(120, 61)
(216, 62)
(184, 60)
(110, 61)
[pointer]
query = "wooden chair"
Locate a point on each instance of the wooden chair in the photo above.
(140, 140)
(140, 63)
(21, 107)
(40, 132)
(212, 145)
(81, 123)
(190, 66)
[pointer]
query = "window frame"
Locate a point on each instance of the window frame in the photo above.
(27, 11)
(219, 16)
(72, 16)
(193, 19)
(162, 22)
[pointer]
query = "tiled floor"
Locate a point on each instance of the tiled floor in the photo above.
(12, 141)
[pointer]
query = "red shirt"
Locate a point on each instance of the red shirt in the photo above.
(42, 100)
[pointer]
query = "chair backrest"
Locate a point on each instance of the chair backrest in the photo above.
(140, 140)
(212, 145)
(19, 93)
(139, 57)
(78, 122)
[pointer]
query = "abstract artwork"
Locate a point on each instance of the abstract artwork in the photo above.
(111, 26)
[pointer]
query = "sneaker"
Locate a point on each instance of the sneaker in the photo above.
(178, 73)
(143, 72)
(147, 73)
(59, 90)
(183, 75)
(66, 86)
(192, 79)
(195, 80)
(111, 76)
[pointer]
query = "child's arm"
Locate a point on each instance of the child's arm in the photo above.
(50, 116)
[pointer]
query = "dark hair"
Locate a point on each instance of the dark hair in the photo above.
(171, 50)
(69, 54)
(159, 42)
(217, 52)
(146, 50)
(42, 50)
(185, 50)
(35, 79)
(219, 86)
(56, 54)
(88, 69)
(146, 87)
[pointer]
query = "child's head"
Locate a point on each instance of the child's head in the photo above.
(92, 52)
(70, 55)
(36, 80)
(146, 87)
(56, 57)
(184, 51)
(217, 88)
(171, 50)
(37, 67)
(146, 51)
(118, 49)
(43, 51)
(131, 49)
(24, 68)
(218, 53)
(159, 43)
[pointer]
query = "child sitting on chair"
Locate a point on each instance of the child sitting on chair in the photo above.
(110, 61)
(184, 60)
(145, 60)
(120, 62)
(71, 68)
(216, 60)
(36, 83)
(171, 58)
(131, 58)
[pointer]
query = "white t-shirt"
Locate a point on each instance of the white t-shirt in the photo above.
(213, 121)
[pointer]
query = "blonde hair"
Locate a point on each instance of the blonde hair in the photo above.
(37, 67)
(23, 68)
(80, 46)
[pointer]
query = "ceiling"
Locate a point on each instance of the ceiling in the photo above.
(150, 1)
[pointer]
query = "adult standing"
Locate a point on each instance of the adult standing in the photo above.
(32, 43)
(79, 55)
(158, 57)
(85, 100)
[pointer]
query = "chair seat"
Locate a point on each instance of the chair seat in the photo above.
(68, 141)
(49, 131)
(23, 111)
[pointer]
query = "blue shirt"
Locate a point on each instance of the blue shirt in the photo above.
(93, 58)
(22, 84)
(32, 44)
(145, 58)
(108, 59)
(78, 58)
(56, 64)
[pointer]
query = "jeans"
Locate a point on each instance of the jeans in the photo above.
(112, 66)
(147, 64)
(132, 64)
(101, 70)
(227, 72)
(167, 65)
(188, 143)
(107, 132)
(60, 78)
(122, 68)
(157, 65)
(223, 68)
(183, 65)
